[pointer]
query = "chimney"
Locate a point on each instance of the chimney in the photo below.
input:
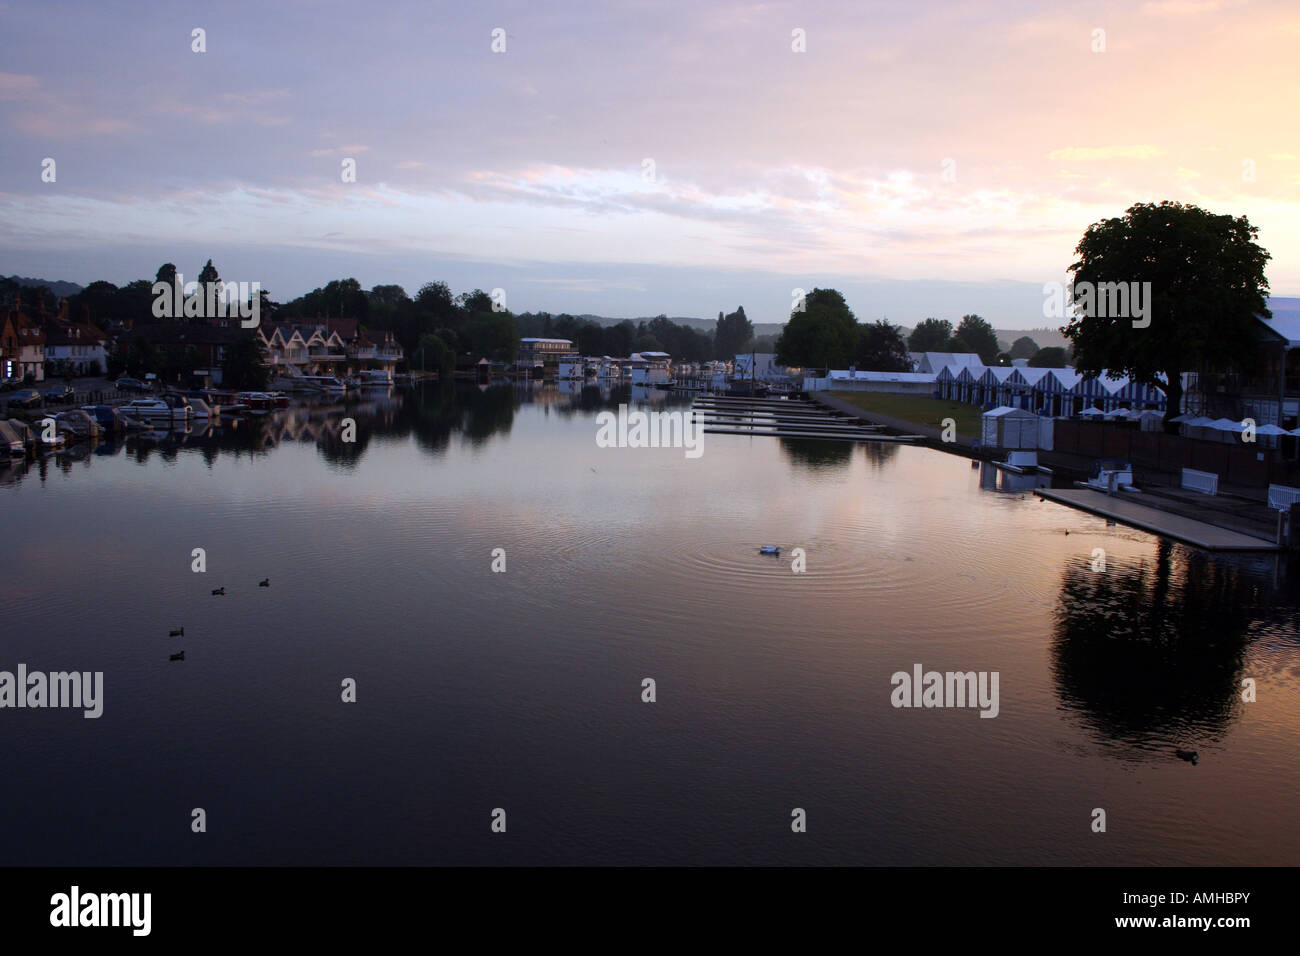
(63, 308)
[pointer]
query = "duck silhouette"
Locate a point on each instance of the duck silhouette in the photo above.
(264, 583)
(1189, 755)
(177, 657)
(177, 633)
(218, 591)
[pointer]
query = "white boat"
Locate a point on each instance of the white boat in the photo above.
(152, 409)
(1110, 475)
(202, 410)
(571, 367)
(1024, 463)
(375, 377)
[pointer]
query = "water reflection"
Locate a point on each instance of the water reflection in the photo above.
(817, 455)
(1151, 655)
(993, 478)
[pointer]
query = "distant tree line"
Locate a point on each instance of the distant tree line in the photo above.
(733, 334)
(433, 327)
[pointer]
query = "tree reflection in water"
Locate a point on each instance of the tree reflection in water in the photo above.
(1151, 656)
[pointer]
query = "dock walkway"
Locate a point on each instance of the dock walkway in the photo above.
(1179, 527)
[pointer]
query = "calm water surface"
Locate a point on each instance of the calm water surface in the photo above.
(522, 690)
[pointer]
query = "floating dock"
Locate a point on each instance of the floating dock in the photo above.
(1127, 511)
(784, 418)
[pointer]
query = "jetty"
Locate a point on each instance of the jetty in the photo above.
(784, 418)
(1127, 511)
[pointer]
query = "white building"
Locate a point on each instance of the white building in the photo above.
(764, 367)
(75, 348)
(534, 351)
(934, 361)
(852, 380)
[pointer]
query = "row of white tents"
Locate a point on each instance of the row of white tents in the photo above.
(1010, 427)
(1228, 429)
(1057, 392)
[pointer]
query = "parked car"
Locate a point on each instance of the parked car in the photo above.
(127, 384)
(60, 393)
(25, 398)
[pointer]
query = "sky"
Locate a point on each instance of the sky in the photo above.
(637, 158)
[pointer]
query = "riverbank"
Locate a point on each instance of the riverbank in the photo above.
(1235, 509)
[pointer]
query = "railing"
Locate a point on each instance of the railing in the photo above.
(1206, 482)
(1281, 497)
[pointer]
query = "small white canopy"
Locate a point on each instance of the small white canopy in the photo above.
(1180, 419)
(1004, 410)
(1225, 425)
(1092, 411)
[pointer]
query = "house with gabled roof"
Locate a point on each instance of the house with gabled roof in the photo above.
(75, 348)
(25, 353)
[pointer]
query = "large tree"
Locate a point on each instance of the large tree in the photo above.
(208, 278)
(823, 335)
(930, 335)
(733, 334)
(881, 348)
(433, 354)
(979, 337)
(1051, 357)
(244, 365)
(1023, 347)
(619, 338)
(1207, 285)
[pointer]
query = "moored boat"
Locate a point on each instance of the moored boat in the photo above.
(173, 408)
(1024, 463)
(256, 403)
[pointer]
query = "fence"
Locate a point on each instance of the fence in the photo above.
(1238, 463)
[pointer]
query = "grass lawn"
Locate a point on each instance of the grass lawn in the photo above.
(918, 410)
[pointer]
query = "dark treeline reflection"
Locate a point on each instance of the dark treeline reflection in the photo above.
(822, 454)
(433, 415)
(1151, 654)
(816, 455)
